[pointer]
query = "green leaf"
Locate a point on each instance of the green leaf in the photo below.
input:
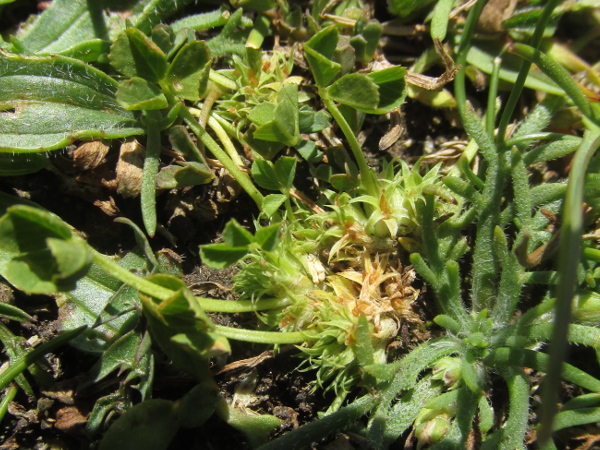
(271, 203)
(254, 5)
(344, 182)
(365, 44)
(404, 8)
(134, 55)
(262, 113)
(102, 300)
(256, 428)
(439, 21)
(319, 52)
(264, 174)
(362, 342)
(286, 113)
(163, 36)
(281, 123)
(188, 73)
(149, 13)
(231, 40)
(355, 90)
(13, 313)
(76, 28)
(183, 175)
(84, 29)
(182, 329)
(38, 252)
(137, 94)
(198, 405)
(48, 102)
(151, 425)
(235, 235)
(203, 21)
(285, 170)
(19, 164)
(72, 257)
(268, 237)
(392, 89)
(182, 142)
(312, 122)
(266, 149)
(309, 151)
(483, 54)
(123, 354)
(219, 256)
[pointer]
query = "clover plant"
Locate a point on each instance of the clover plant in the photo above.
(338, 271)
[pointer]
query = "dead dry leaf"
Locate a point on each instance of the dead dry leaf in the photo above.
(130, 169)
(90, 155)
(494, 13)
(68, 418)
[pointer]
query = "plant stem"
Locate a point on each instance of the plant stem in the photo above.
(512, 434)
(9, 396)
(224, 138)
(259, 32)
(558, 74)
(368, 176)
(463, 50)
(162, 293)
(242, 178)
(490, 115)
(222, 80)
(265, 337)
(568, 261)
